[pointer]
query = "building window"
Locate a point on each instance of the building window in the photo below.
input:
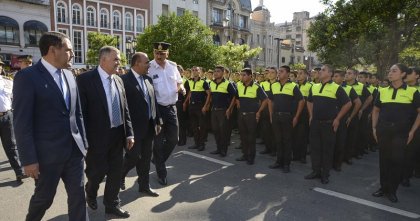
(180, 11)
(33, 32)
(298, 36)
(90, 16)
(243, 21)
(165, 9)
(117, 20)
(9, 31)
(118, 41)
(195, 13)
(195, 2)
(128, 21)
(288, 36)
(298, 28)
(64, 31)
(139, 23)
(104, 18)
(61, 12)
(283, 60)
(76, 14)
(216, 40)
(77, 47)
(217, 15)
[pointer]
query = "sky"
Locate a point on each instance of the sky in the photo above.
(282, 10)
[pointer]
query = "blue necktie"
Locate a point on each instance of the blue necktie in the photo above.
(115, 106)
(61, 86)
(146, 94)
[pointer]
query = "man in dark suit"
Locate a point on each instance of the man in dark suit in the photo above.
(49, 127)
(146, 123)
(108, 129)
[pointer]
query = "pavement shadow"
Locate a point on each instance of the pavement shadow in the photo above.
(10, 183)
(5, 168)
(4, 162)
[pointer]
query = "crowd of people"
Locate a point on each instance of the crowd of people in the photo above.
(112, 120)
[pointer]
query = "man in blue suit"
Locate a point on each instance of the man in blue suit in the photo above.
(49, 129)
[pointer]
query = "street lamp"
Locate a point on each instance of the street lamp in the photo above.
(229, 21)
(293, 50)
(130, 48)
(279, 40)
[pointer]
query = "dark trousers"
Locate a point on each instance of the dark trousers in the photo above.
(108, 162)
(392, 139)
(183, 123)
(351, 139)
(139, 156)
(300, 137)
(247, 125)
(340, 144)
(322, 138)
(220, 126)
(198, 123)
(71, 172)
(8, 141)
(363, 134)
(166, 140)
(282, 130)
(411, 155)
(267, 131)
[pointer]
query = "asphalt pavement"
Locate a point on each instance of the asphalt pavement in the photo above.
(202, 186)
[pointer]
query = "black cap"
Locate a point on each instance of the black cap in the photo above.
(25, 57)
(161, 46)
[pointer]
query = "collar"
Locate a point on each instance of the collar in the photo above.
(403, 86)
(103, 74)
(304, 82)
(223, 80)
(250, 84)
(328, 82)
(136, 75)
(344, 84)
(355, 83)
(50, 68)
(156, 65)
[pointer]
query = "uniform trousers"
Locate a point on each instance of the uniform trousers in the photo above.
(282, 129)
(322, 139)
(247, 125)
(220, 127)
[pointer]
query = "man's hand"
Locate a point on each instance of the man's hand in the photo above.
(228, 113)
(158, 129)
(410, 136)
(183, 91)
(348, 121)
(295, 122)
(32, 170)
(257, 116)
(374, 135)
(130, 143)
(184, 106)
(360, 114)
(335, 124)
(204, 109)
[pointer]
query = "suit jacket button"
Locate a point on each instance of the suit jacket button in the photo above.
(64, 113)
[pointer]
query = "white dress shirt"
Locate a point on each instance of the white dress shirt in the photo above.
(105, 83)
(165, 82)
(6, 87)
(51, 69)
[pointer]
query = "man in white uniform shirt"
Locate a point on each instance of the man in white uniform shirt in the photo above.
(167, 82)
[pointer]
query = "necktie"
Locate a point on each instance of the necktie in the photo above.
(115, 106)
(146, 94)
(63, 87)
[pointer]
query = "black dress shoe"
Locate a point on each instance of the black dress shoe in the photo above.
(148, 191)
(223, 154)
(122, 183)
(312, 176)
(265, 152)
(349, 162)
(91, 202)
(325, 180)
(238, 147)
(276, 165)
(250, 162)
(242, 158)
(286, 169)
(405, 182)
(117, 211)
(163, 181)
(193, 147)
(182, 143)
(378, 193)
(392, 197)
(201, 148)
(215, 152)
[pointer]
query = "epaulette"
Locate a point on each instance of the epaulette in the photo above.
(172, 63)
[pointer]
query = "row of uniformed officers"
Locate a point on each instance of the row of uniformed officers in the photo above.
(340, 114)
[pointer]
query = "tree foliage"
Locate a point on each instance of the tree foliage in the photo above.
(191, 41)
(98, 40)
(233, 56)
(365, 31)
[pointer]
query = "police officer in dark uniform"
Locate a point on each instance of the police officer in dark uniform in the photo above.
(249, 111)
(266, 129)
(283, 93)
(394, 129)
(198, 102)
(327, 104)
(341, 138)
(223, 99)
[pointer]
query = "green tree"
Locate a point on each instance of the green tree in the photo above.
(96, 41)
(191, 41)
(297, 66)
(233, 56)
(373, 31)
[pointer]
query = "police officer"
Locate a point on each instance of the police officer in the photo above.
(301, 131)
(167, 83)
(393, 128)
(7, 134)
(223, 99)
(315, 75)
(249, 111)
(181, 114)
(283, 93)
(341, 137)
(24, 61)
(266, 129)
(198, 102)
(327, 104)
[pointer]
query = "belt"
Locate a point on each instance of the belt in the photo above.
(283, 113)
(4, 113)
(247, 113)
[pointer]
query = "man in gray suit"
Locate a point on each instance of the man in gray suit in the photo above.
(49, 129)
(145, 119)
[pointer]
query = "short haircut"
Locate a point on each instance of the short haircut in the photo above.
(330, 68)
(353, 71)
(247, 71)
(49, 39)
(317, 69)
(106, 50)
(364, 73)
(340, 72)
(286, 67)
(272, 68)
(136, 58)
(220, 67)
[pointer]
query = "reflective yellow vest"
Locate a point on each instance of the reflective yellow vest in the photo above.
(221, 88)
(287, 88)
(403, 96)
(305, 88)
(196, 86)
(247, 92)
(329, 90)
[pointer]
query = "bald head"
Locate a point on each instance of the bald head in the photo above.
(140, 62)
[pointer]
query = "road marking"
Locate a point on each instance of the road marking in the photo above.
(224, 163)
(368, 203)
